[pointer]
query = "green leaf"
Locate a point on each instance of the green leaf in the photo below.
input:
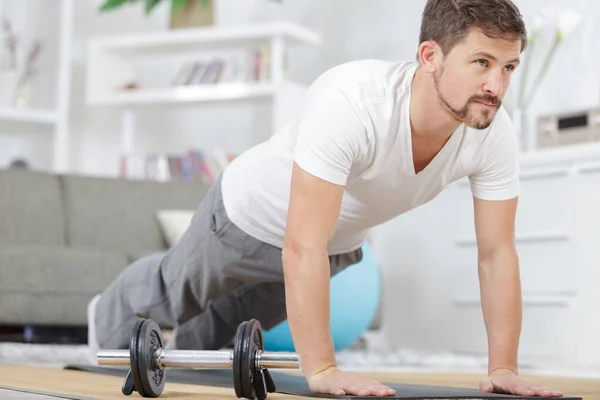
(177, 5)
(112, 4)
(150, 4)
(205, 3)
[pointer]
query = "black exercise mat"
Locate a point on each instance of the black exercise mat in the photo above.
(296, 385)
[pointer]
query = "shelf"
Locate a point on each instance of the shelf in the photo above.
(552, 300)
(521, 238)
(577, 152)
(28, 115)
(190, 94)
(197, 39)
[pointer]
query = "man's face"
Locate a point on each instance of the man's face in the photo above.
(474, 76)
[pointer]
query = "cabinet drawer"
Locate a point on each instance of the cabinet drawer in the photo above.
(545, 202)
(548, 331)
(547, 265)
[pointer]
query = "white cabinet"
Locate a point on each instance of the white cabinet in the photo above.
(429, 258)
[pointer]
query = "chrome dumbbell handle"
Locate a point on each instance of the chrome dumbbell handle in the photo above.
(207, 359)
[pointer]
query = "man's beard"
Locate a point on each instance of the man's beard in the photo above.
(464, 114)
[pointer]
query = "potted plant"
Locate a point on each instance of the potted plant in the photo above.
(184, 13)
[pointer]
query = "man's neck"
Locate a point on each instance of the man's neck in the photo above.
(427, 116)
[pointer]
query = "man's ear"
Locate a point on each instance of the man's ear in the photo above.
(428, 53)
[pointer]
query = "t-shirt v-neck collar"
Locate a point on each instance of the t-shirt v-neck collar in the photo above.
(409, 156)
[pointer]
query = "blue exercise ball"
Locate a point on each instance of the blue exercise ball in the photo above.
(354, 299)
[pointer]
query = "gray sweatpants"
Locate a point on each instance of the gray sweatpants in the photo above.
(214, 278)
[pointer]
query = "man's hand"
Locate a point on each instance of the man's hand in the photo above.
(507, 382)
(338, 383)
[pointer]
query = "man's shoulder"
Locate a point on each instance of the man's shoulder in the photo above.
(502, 120)
(366, 80)
(501, 129)
(494, 172)
(497, 144)
(369, 67)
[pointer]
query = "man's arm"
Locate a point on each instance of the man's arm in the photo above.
(312, 217)
(500, 282)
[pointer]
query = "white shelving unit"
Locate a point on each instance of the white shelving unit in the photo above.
(209, 93)
(31, 116)
(112, 61)
(214, 37)
(57, 118)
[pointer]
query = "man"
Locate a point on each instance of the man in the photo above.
(376, 139)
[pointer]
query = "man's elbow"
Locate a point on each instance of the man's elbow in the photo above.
(298, 252)
(497, 254)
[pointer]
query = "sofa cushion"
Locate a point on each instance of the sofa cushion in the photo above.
(120, 214)
(52, 285)
(174, 223)
(31, 209)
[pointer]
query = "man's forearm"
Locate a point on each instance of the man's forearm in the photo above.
(502, 307)
(307, 275)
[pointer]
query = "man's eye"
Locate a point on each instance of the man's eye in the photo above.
(483, 63)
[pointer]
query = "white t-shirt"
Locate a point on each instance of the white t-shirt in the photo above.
(355, 131)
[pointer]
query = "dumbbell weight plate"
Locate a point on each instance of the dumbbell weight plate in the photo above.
(248, 340)
(253, 341)
(237, 359)
(149, 380)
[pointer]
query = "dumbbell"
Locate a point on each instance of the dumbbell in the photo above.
(148, 359)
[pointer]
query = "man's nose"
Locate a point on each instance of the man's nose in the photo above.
(493, 85)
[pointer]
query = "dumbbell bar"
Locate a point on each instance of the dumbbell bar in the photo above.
(207, 359)
(148, 359)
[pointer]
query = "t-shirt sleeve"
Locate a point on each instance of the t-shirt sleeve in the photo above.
(332, 135)
(497, 175)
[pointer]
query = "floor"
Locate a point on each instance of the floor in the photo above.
(90, 386)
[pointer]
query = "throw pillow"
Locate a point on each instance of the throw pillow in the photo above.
(174, 223)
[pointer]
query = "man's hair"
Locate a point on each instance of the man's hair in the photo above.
(447, 22)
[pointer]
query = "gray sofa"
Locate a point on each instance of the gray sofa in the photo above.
(63, 238)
